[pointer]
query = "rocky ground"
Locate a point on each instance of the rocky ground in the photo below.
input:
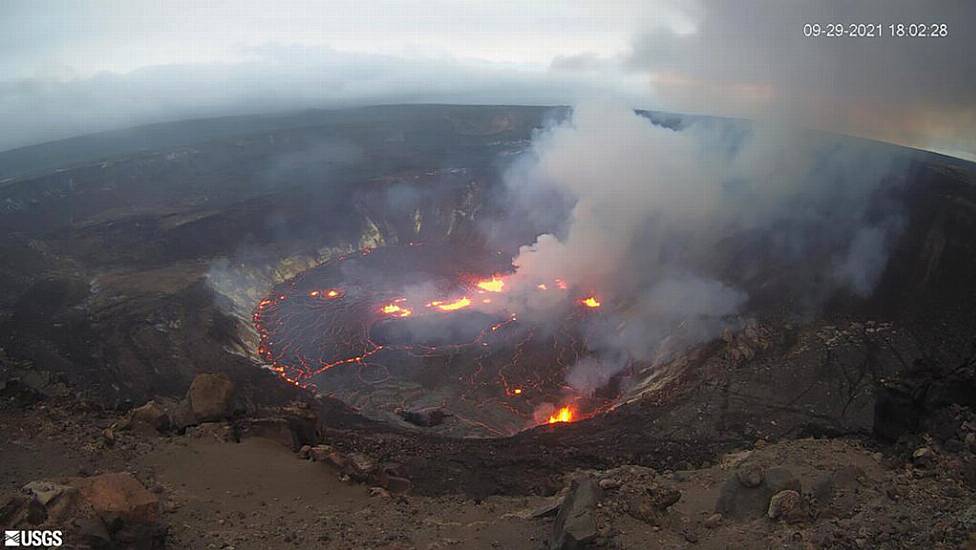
(197, 474)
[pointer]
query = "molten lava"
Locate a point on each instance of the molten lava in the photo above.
(564, 414)
(492, 285)
(590, 301)
(453, 306)
(394, 309)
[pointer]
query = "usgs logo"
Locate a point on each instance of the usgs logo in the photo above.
(27, 539)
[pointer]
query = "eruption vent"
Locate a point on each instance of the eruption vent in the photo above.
(564, 414)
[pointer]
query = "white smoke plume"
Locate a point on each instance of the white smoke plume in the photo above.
(661, 220)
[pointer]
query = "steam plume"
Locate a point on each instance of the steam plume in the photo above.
(671, 226)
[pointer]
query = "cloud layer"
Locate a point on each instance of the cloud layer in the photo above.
(73, 69)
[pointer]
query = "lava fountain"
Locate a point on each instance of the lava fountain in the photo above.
(564, 414)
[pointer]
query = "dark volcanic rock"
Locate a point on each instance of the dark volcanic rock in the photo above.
(425, 418)
(151, 415)
(575, 525)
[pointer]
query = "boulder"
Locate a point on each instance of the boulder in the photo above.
(151, 416)
(118, 496)
(426, 417)
(181, 415)
(736, 501)
(211, 396)
(54, 503)
(46, 492)
(303, 422)
(786, 505)
(750, 475)
(575, 525)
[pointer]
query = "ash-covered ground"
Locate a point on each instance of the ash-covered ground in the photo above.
(127, 275)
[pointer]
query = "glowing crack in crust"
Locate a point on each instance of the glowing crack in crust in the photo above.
(353, 329)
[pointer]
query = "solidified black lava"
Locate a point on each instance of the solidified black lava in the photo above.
(455, 328)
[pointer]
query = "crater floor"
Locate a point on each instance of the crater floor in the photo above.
(406, 329)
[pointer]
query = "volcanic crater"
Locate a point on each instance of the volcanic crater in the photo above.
(142, 258)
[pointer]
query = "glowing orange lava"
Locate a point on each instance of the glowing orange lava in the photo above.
(564, 414)
(590, 301)
(518, 391)
(393, 309)
(455, 305)
(492, 285)
(561, 284)
(331, 293)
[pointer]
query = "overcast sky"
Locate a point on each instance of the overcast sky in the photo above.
(69, 68)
